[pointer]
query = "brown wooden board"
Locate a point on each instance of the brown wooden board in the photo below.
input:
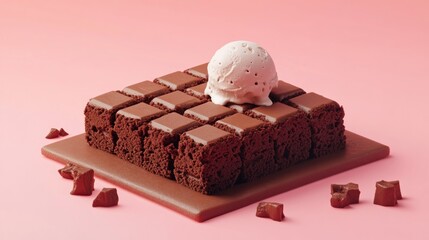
(359, 151)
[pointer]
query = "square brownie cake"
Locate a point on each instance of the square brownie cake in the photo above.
(131, 127)
(291, 132)
(145, 91)
(199, 71)
(100, 115)
(160, 146)
(176, 101)
(198, 91)
(257, 148)
(208, 160)
(208, 112)
(285, 91)
(178, 80)
(326, 122)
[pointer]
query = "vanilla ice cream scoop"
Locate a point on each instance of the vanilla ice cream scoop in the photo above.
(241, 72)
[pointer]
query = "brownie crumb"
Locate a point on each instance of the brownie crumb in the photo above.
(271, 210)
(339, 200)
(387, 193)
(66, 172)
(108, 197)
(83, 181)
(63, 132)
(350, 191)
(54, 133)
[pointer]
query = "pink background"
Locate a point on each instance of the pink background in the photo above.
(371, 56)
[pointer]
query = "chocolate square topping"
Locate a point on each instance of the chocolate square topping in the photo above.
(240, 122)
(276, 113)
(110, 101)
(285, 91)
(309, 101)
(141, 111)
(173, 123)
(206, 134)
(178, 80)
(241, 108)
(146, 89)
(176, 101)
(209, 112)
(199, 71)
(198, 90)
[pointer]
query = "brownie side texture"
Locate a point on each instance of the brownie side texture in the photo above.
(100, 118)
(209, 160)
(326, 123)
(160, 145)
(291, 132)
(131, 126)
(257, 149)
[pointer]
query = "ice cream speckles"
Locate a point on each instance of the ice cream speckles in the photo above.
(241, 72)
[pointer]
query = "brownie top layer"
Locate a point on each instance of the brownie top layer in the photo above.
(141, 111)
(175, 100)
(209, 111)
(285, 91)
(309, 101)
(240, 123)
(197, 90)
(241, 108)
(276, 113)
(199, 71)
(178, 80)
(146, 88)
(206, 134)
(173, 123)
(110, 100)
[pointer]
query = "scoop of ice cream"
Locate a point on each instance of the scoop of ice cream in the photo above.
(241, 72)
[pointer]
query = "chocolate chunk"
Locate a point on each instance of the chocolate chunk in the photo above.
(108, 197)
(271, 210)
(54, 133)
(386, 193)
(66, 172)
(63, 132)
(83, 181)
(339, 200)
(351, 190)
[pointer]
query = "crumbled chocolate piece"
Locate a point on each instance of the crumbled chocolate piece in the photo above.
(66, 172)
(339, 200)
(63, 132)
(54, 133)
(350, 189)
(387, 193)
(271, 210)
(108, 197)
(83, 181)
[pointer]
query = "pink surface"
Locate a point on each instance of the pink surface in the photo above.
(372, 57)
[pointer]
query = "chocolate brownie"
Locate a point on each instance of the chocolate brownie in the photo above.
(100, 118)
(208, 112)
(208, 160)
(291, 132)
(198, 91)
(257, 149)
(145, 91)
(326, 123)
(176, 101)
(241, 108)
(199, 71)
(178, 80)
(131, 126)
(160, 146)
